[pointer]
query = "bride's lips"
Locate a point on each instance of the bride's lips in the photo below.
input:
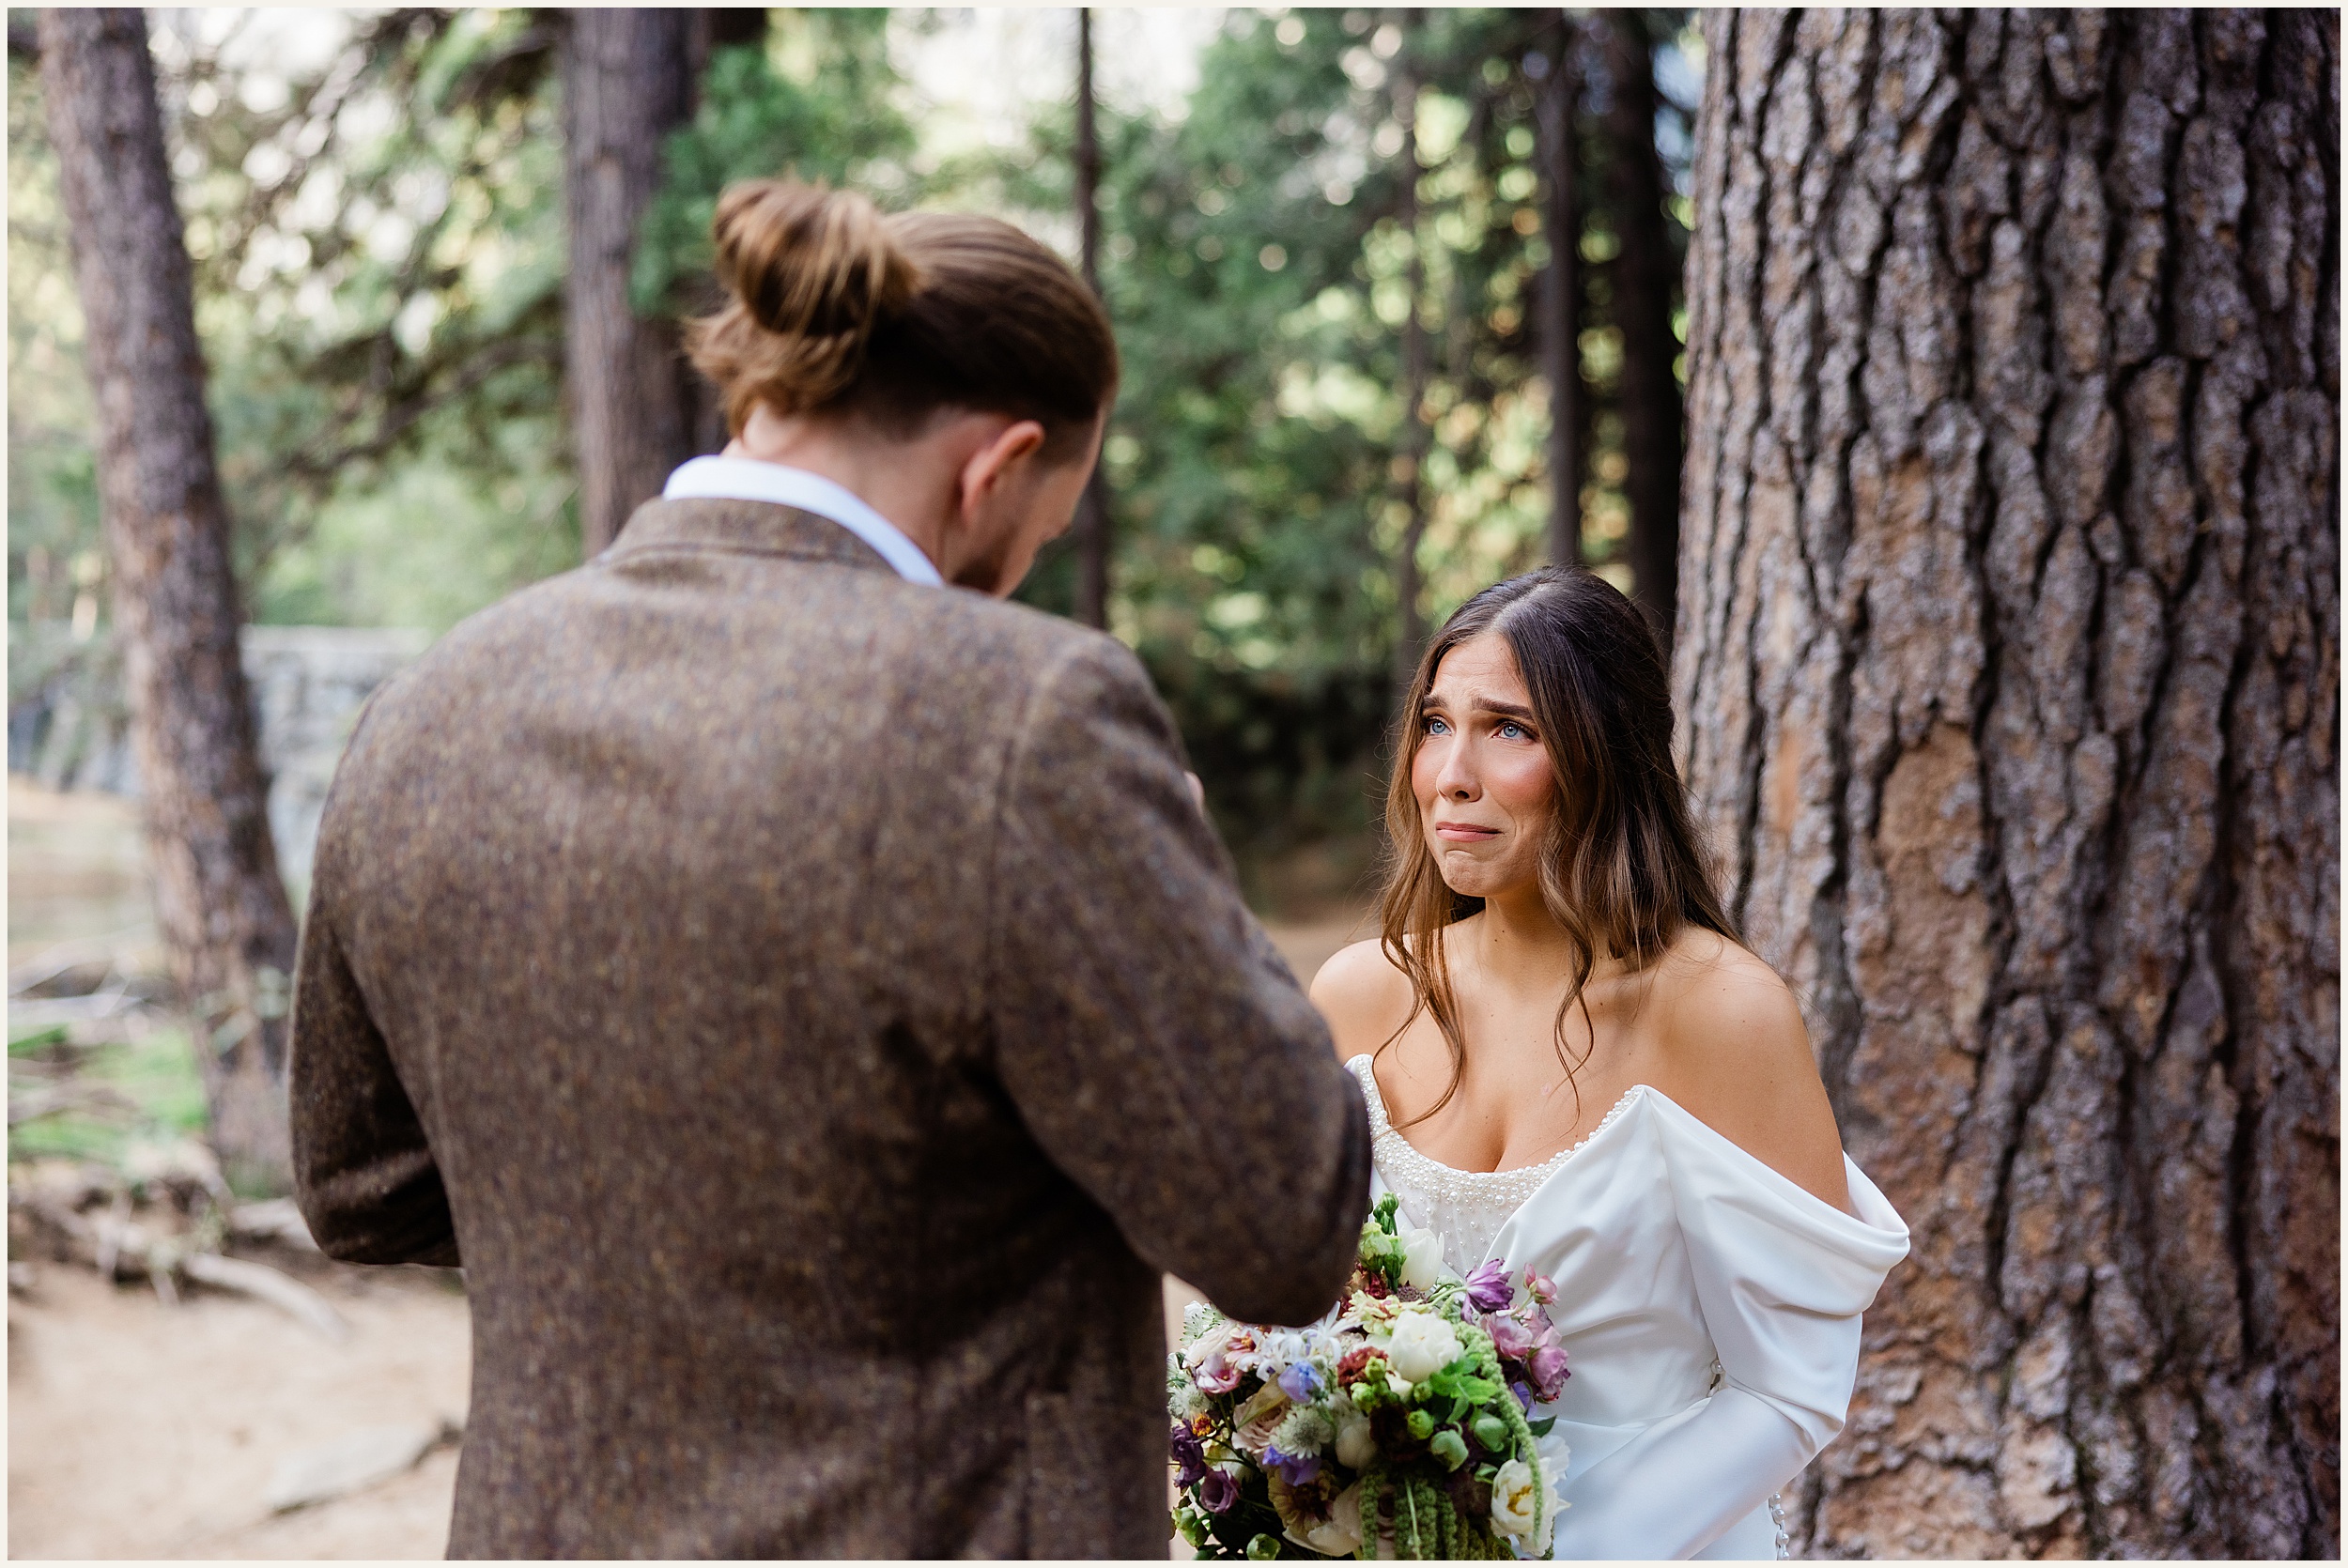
(1465, 833)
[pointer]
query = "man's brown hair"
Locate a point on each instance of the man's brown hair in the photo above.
(836, 308)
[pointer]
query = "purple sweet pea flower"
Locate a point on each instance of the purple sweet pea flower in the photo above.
(1523, 1391)
(1512, 1337)
(1301, 1382)
(1488, 1287)
(1548, 1367)
(1190, 1454)
(1541, 1288)
(1296, 1469)
(1217, 1491)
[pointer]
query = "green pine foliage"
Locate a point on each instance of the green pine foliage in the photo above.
(818, 101)
(1256, 268)
(378, 246)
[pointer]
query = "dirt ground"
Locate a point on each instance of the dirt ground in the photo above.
(137, 1430)
(142, 1430)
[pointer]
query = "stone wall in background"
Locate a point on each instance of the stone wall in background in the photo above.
(69, 730)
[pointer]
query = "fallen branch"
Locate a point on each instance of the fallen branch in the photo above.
(357, 1460)
(272, 1219)
(98, 1099)
(262, 1283)
(120, 1246)
(47, 1012)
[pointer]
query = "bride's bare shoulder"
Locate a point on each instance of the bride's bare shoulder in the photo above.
(1364, 997)
(1732, 1050)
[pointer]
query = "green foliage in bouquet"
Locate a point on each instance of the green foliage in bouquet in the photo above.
(1396, 1419)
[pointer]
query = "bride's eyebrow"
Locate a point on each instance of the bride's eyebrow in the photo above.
(1479, 705)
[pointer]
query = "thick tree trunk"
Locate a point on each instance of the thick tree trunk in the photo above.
(628, 82)
(1561, 294)
(1092, 523)
(1409, 631)
(219, 901)
(1649, 396)
(2008, 667)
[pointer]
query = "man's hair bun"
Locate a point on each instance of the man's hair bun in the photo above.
(818, 269)
(834, 309)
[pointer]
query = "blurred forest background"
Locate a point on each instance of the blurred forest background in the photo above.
(1956, 390)
(374, 208)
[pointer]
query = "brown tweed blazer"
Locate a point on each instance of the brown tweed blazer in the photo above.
(812, 1009)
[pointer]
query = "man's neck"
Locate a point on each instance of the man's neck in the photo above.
(879, 474)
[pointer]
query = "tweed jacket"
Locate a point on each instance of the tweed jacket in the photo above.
(812, 1010)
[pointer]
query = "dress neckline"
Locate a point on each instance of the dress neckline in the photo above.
(1527, 1177)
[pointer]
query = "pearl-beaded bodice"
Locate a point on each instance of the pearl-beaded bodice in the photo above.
(1466, 1208)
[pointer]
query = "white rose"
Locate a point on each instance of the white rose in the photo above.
(1357, 1448)
(1421, 1256)
(1341, 1535)
(1517, 1505)
(1422, 1345)
(1253, 1423)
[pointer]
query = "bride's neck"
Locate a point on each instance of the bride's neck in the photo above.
(1518, 941)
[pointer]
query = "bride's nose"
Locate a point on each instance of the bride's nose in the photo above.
(1457, 780)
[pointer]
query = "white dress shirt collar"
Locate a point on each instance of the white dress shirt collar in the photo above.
(747, 479)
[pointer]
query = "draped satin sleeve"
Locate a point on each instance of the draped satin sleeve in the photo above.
(1781, 1277)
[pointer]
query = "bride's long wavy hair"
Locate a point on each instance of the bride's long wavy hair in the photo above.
(1623, 869)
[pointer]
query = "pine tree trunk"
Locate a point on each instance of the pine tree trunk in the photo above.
(1642, 270)
(1560, 101)
(219, 901)
(2008, 667)
(628, 82)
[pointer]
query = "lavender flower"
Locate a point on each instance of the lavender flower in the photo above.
(1548, 1367)
(1301, 1382)
(1488, 1288)
(1512, 1337)
(1296, 1469)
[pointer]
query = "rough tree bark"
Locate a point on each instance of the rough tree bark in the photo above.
(2008, 664)
(627, 81)
(1559, 101)
(219, 901)
(1092, 524)
(1642, 273)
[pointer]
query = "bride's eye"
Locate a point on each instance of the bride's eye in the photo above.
(1512, 731)
(1435, 726)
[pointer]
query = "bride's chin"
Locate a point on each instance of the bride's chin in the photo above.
(1467, 881)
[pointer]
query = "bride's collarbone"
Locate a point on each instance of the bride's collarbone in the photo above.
(1511, 1109)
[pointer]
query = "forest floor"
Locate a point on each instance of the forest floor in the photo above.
(141, 1429)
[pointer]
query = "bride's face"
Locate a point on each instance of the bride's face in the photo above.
(1482, 776)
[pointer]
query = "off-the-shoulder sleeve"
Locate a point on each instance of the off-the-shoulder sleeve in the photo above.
(1782, 1277)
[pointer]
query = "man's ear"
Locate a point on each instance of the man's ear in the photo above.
(1006, 455)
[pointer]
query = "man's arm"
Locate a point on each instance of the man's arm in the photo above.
(1157, 1045)
(363, 1173)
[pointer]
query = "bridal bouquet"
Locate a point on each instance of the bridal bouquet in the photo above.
(1397, 1421)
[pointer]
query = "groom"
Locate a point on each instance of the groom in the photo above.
(805, 997)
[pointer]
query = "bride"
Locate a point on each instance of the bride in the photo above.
(1572, 1067)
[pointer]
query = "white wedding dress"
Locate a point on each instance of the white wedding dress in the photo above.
(1708, 1306)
